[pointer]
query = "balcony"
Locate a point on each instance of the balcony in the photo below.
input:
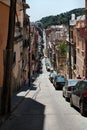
(82, 50)
(18, 34)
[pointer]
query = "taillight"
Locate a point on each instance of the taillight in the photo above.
(69, 88)
(85, 94)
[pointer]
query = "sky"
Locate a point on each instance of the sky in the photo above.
(42, 8)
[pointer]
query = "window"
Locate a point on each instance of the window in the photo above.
(78, 50)
(21, 51)
(83, 54)
(82, 85)
(82, 45)
(14, 57)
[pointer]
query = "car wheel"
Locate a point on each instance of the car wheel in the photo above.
(67, 99)
(71, 102)
(82, 111)
(55, 87)
(63, 94)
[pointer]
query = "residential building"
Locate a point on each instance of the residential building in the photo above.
(55, 36)
(36, 48)
(4, 19)
(21, 45)
(71, 48)
(80, 47)
(76, 47)
(21, 40)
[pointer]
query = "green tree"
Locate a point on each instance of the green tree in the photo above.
(61, 18)
(62, 48)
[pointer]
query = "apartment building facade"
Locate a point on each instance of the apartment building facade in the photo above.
(55, 36)
(80, 47)
(20, 54)
(4, 15)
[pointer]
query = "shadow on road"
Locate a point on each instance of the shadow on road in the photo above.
(28, 115)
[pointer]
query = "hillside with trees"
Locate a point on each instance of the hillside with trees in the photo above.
(61, 18)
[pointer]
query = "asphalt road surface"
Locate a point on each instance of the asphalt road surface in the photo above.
(44, 108)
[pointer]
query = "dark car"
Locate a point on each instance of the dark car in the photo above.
(70, 83)
(52, 75)
(59, 82)
(79, 96)
(48, 68)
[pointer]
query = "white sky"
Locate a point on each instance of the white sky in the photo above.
(43, 8)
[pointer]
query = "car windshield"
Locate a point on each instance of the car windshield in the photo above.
(72, 82)
(60, 79)
(53, 75)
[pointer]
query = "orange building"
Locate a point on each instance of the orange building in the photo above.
(18, 55)
(4, 15)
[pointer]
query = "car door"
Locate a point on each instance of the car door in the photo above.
(54, 81)
(80, 91)
(75, 93)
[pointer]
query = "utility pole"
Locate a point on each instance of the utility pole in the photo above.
(86, 40)
(29, 56)
(70, 69)
(6, 92)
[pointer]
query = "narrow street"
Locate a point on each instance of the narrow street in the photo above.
(44, 108)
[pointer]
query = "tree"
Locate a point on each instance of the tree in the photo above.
(61, 18)
(62, 48)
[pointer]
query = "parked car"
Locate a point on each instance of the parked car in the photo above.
(46, 61)
(66, 92)
(47, 67)
(59, 82)
(52, 75)
(79, 96)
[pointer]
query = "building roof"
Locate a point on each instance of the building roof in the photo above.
(81, 17)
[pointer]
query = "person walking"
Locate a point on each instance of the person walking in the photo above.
(79, 77)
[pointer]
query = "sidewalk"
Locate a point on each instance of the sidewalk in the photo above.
(16, 99)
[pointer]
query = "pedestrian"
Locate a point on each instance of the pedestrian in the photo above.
(79, 77)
